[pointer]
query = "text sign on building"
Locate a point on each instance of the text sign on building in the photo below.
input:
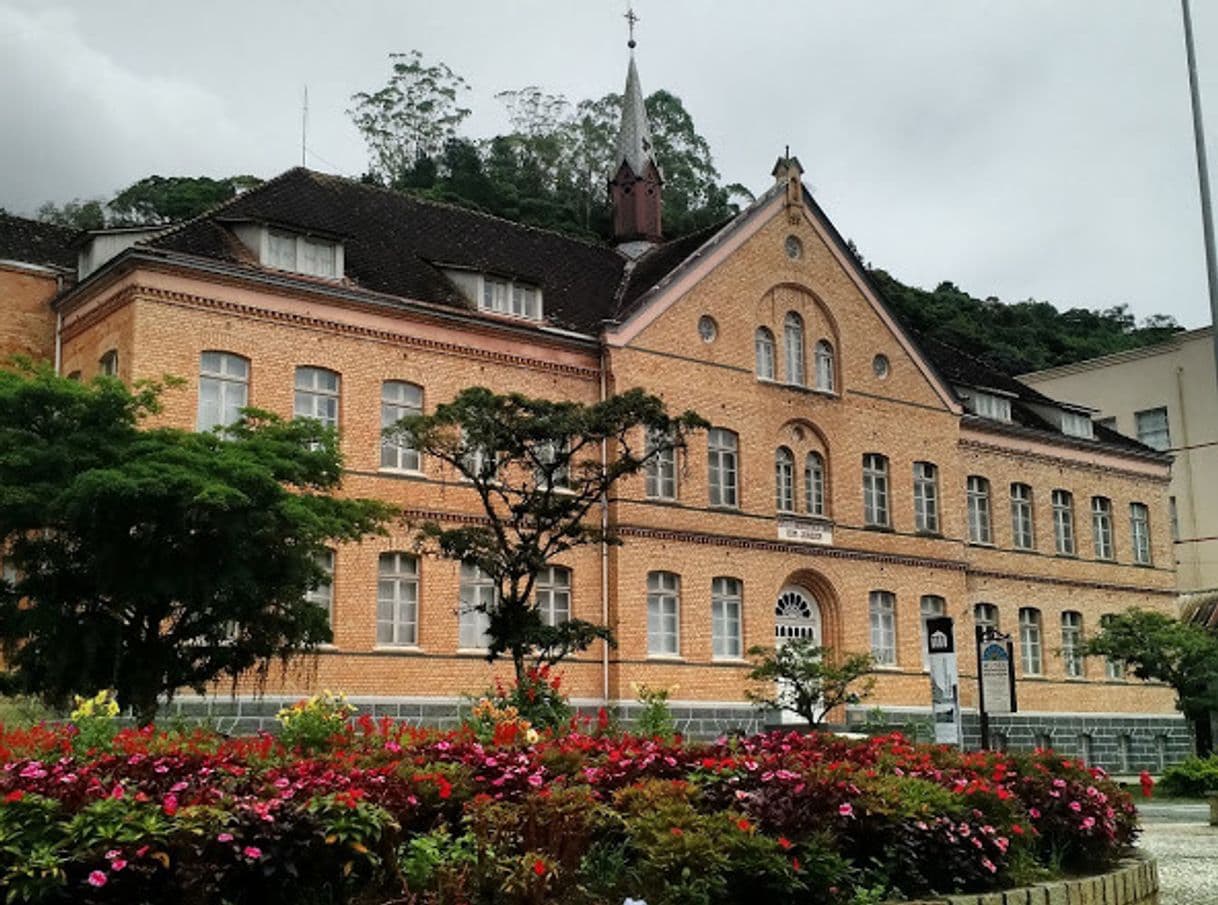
(800, 532)
(997, 673)
(944, 680)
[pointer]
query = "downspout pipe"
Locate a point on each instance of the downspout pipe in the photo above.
(604, 395)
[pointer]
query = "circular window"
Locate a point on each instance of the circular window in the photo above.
(795, 248)
(707, 328)
(880, 366)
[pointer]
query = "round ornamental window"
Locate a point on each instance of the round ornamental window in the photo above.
(795, 248)
(796, 615)
(707, 328)
(880, 366)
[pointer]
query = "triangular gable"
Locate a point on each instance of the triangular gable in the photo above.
(681, 279)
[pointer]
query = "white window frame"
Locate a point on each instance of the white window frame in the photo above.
(784, 480)
(814, 484)
(793, 350)
(663, 614)
(1063, 522)
(1114, 670)
(510, 297)
(1101, 528)
(107, 365)
(227, 376)
(926, 497)
(723, 468)
(1072, 644)
(322, 596)
(397, 600)
(476, 588)
(660, 473)
(882, 609)
(1076, 424)
(1139, 534)
(399, 399)
(552, 591)
(876, 512)
(980, 522)
(727, 635)
(1023, 517)
(988, 405)
(763, 353)
(1153, 428)
(301, 253)
(986, 615)
(931, 606)
(822, 355)
(1031, 641)
(310, 394)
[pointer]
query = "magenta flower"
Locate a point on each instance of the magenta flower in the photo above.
(252, 852)
(225, 837)
(117, 864)
(846, 810)
(98, 879)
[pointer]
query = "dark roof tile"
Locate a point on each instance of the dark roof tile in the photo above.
(35, 242)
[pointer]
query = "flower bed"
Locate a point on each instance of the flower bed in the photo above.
(383, 812)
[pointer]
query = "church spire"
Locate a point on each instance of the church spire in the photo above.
(634, 186)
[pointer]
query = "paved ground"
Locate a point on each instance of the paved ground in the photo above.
(1186, 846)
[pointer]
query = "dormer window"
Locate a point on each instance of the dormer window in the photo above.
(1076, 424)
(499, 294)
(301, 254)
(987, 405)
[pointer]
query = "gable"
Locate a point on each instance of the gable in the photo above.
(745, 277)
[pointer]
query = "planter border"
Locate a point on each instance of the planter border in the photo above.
(1134, 881)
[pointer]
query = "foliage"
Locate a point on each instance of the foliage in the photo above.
(94, 722)
(495, 720)
(74, 214)
(173, 199)
(655, 720)
(808, 680)
(538, 698)
(307, 726)
(1191, 778)
(149, 560)
(535, 466)
(1158, 648)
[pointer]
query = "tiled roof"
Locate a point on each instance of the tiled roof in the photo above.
(35, 242)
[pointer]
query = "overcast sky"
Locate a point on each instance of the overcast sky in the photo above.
(1020, 148)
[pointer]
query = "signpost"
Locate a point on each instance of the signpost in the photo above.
(944, 680)
(995, 677)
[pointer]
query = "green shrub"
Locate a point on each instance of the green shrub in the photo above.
(309, 726)
(656, 719)
(1191, 778)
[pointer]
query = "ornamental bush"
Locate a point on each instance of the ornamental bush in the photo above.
(377, 812)
(1193, 777)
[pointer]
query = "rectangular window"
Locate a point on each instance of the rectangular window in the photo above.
(107, 365)
(1023, 535)
(979, 529)
(985, 615)
(726, 643)
(323, 595)
(301, 254)
(478, 597)
(875, 490)
(223, 389)
(315, 257)
(987, 405)
(317, 393)
(661, 469)
(1075, 424)
(1152, 428)
(399, 400)
(281, 250)
(397, 599)
(553, 593)
(883, 607)
(1113, 669)
(504, 296)
(932, 607)
(784, 480)
(663, 614)
(1030, 647)
(1063, 522)
(1101, 527)
(722, 471)
(814, 483)
(926, 497)
(1139, 533)
(1072, 643)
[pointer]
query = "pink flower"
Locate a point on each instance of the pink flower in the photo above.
(393, 747)
(1034, 813)
(97, 878)
(1088, 822)
(1075, 806)
(989, 865)
(117, 864)
(252, 852)
(225, 837)
(846, 810)
(535, 780)
(113, 853)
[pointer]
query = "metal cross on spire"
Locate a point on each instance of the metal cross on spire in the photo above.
(631, 18)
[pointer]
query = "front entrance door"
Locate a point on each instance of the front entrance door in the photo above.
(796, 615)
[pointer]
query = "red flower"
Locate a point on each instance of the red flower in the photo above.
(784, 843)
(795, 864)
(539, 867)
(743, 825)
(15, 795)
(677, 831)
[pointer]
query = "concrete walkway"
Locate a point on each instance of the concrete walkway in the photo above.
(1186, 846)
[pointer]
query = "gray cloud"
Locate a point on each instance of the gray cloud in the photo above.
(1019, 149)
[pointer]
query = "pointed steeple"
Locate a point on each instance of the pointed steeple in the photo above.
(634, 185)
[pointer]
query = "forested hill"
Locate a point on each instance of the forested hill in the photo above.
(1016, 337)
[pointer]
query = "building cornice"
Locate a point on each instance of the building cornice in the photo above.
(1157, 468)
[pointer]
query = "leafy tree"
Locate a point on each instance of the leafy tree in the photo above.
(413, 117)
(149, 560)
(535, 466)
(808, 680)
(74, 214)
(1162, 649)
(170, 199)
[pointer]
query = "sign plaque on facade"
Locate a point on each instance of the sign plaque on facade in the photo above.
(798, 531)
(944, 680)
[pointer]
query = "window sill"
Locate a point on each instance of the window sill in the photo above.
(732, 661)
(407, 650)
(406, 473)
(1034, 678)
(933, 535)
(887, 667)
(327, 646)
(722, 507)
(669, 658)
(983, 544)
(662, 500)
(1066, 555)
(882, 529)
(471, 651)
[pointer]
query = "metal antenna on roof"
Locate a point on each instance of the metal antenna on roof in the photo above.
(304, 126)
(631, 18)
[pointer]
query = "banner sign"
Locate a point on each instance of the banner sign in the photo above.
(944, 680)
(997, 674)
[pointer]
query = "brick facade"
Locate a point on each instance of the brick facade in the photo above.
(27, 327)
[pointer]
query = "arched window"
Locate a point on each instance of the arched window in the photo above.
(784, 480)
(317, 392)
(663, 614)
(824, 366)
(726, 641)
(793, 342)
(399, 400)
(1072, 643)
(397, 599)
(1030, 643)
(722, 467)
(224, 385)
(814, 483)
(763, 348)
(883, 607)
(875, 490)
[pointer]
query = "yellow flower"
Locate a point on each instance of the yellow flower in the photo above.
(532, 737)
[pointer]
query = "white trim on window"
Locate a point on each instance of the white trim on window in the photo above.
(663, 614)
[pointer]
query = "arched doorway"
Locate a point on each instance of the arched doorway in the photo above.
(796, 615)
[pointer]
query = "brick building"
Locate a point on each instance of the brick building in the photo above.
(855, 479)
